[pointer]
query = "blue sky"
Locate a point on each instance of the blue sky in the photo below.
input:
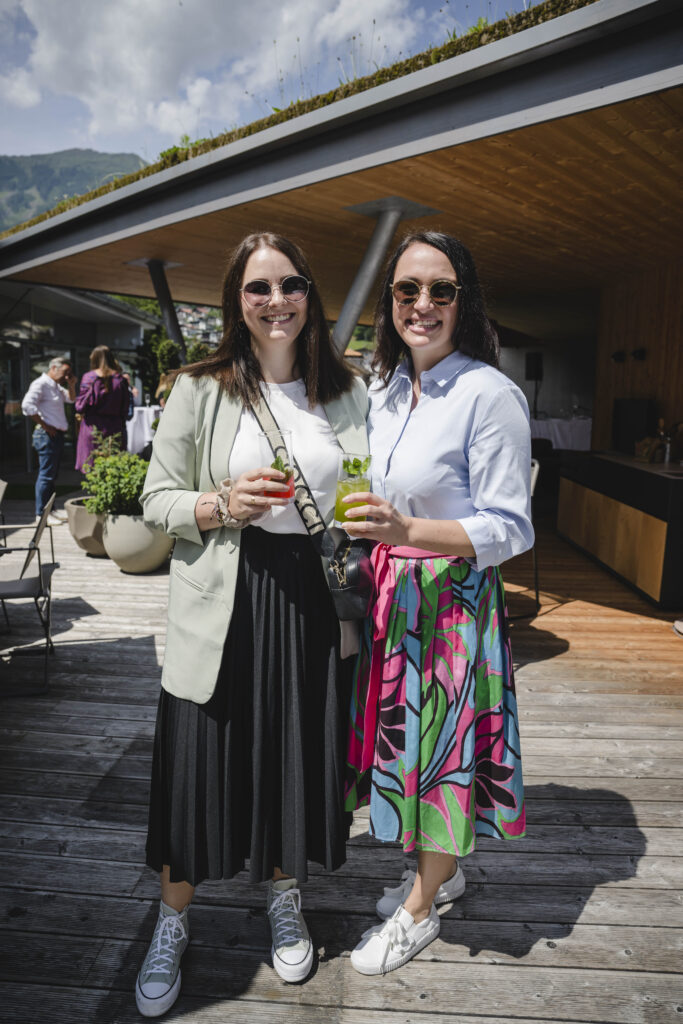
(137, 75)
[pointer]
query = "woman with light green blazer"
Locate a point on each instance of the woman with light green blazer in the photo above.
(251, 728)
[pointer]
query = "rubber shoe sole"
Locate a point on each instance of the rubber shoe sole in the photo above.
(393, 965)
(293, 972)
(155, 1007)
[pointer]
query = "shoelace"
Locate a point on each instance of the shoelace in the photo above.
(395, 938)
(171, 930)
(407, 882)
(284, 911)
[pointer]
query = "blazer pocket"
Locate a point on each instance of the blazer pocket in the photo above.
(190, 582)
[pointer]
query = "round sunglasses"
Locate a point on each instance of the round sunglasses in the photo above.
(442, 293)
(259, 293)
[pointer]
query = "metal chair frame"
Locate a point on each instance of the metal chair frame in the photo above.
(15, 589)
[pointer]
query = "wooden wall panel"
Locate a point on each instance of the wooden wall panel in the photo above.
(644, 310)
(627, 540)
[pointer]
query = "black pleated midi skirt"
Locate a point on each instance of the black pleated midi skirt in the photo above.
(257, 773)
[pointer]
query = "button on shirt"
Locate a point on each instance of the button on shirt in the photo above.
(463, 452)
(46, 398)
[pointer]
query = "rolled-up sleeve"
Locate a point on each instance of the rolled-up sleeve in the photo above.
(499, 470)
(29, 403)
(170, 493)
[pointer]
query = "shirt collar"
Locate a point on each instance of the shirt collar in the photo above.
(442, 374)
(447, 369)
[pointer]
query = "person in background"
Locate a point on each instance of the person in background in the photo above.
(44, 404)
(434, 745)
(102, 402)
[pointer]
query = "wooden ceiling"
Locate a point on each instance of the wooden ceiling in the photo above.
(563, 206)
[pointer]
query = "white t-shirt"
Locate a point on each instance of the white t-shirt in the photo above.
(314, 445)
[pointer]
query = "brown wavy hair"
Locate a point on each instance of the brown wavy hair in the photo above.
(234, 364)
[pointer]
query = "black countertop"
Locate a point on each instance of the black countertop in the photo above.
(654, 488)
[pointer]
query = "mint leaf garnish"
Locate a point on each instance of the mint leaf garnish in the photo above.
(282, 467)
(356, 467)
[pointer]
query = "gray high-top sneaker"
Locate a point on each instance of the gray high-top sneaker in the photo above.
(292, 950)
(158, 983)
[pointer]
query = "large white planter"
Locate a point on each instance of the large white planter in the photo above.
(134, 546)
(85, 527)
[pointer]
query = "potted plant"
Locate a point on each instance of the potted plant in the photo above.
(85, 527)
(114, 482)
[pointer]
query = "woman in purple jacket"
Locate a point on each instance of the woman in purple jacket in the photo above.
(102, 403)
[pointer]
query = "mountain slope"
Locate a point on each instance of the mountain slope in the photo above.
(29, 185)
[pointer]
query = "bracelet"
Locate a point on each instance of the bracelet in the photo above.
(221, 510)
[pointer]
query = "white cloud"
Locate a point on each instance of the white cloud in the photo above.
(195, 67)
(18, 89)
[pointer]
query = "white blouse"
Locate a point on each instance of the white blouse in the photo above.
(314, 446)
(463, 452)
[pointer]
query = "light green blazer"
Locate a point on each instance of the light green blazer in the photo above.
(190, 456)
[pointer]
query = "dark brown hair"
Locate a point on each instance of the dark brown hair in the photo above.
(234, 364)
(474, 335)
(103, 359)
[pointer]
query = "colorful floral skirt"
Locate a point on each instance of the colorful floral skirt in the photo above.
(434, 740)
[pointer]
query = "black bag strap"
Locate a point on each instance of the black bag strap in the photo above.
(305, 503)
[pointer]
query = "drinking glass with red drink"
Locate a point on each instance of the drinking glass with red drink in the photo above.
(276, 452)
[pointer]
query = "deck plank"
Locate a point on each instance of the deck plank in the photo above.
(580, 921)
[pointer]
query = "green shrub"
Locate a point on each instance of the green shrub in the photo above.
(114, 484)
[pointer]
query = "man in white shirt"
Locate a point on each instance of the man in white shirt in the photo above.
(44, 404)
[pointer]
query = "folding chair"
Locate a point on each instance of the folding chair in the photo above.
(36, 584)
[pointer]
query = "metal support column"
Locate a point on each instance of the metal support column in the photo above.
(389, 212)
(163, 294)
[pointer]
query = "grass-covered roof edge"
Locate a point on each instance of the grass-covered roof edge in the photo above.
(472, 40)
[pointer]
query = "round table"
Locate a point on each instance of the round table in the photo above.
(139, 430)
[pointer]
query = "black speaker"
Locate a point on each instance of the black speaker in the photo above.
(632, 420)
(533, 367)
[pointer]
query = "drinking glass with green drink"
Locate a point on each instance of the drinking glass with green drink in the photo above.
(276, 451)
(353, 475)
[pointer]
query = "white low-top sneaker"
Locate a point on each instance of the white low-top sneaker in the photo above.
(158, 983)
(384, 947)
(292, 949)
(451, 890)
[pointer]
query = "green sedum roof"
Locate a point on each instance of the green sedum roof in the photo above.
(472, 40)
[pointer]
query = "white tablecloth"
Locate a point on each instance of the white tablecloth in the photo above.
(139, 429)
(574, 433)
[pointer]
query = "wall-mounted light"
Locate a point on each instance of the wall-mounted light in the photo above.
(639, 353)
(619, 356)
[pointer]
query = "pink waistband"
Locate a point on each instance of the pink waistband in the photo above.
(398, 551)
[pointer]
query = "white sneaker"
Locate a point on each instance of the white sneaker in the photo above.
(384, 947)
(292, 949)
(52, 520)
(158, 983)
(450, 890)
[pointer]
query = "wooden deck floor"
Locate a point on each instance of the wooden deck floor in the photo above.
(580, 921)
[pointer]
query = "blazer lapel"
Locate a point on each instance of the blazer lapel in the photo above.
(223, 416)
